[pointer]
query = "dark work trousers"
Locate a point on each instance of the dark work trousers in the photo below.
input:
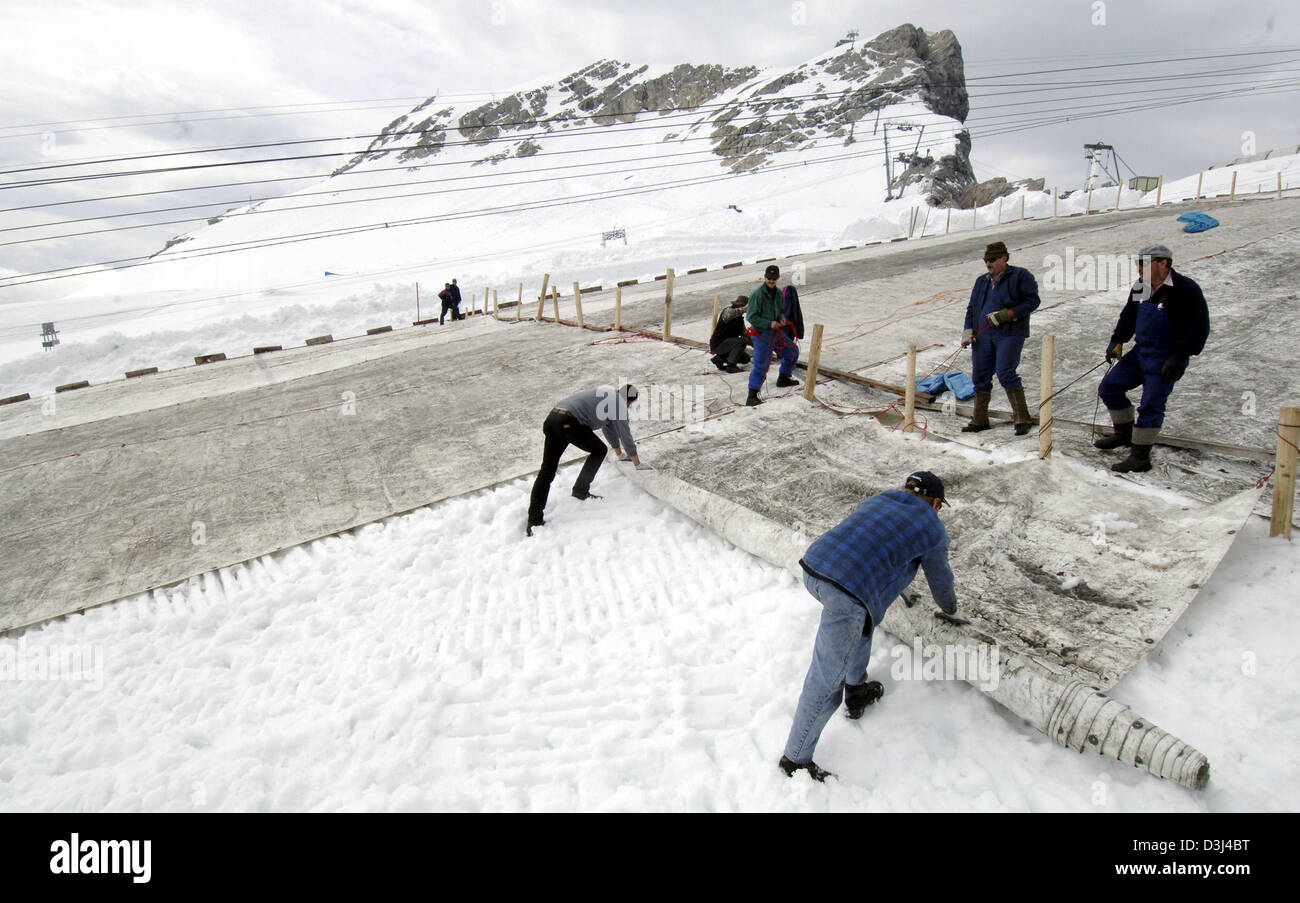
(731, 352)
(562, 429)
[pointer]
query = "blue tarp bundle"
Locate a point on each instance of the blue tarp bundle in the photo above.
(1197, 222)
(959, 383)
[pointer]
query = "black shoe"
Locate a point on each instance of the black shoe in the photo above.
(1123, 438)
(782, 380)
(976, 427)
(586, 495)
(1138, 460)
(753, 399)
(731, 368)
(1022, 429)
(816, 772)
(528, 530)
(858, 697)
(719, 364)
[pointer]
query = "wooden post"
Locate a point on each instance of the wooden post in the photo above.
(618, 309)
(577, 299)
(1160, 188)
(541, 299)
(1119, 193)
(473, 304)
(1022, 206)
(519, 304)
(417, 285)
(925, 225)
(1055, 193)
(948, 224)
(1200, 177)
(486, 294)
(717, 309)
(1000, 211)
(814, 358)
(1279, 184)
(974, 218)
(1048, 368)
(555, 302)
(1288, 432)
(1087, 208)
(1232, 192)
(909, 391)
(496, 307)
(668, 307)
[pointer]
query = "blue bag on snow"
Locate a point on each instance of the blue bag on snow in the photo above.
(958, 383)
(1197, 222)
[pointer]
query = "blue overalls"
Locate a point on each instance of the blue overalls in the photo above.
(996, 348)
(1142, 365)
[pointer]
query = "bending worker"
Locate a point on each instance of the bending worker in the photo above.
(856, 570)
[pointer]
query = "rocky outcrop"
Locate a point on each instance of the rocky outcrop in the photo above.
(977, 195)
(750, 116)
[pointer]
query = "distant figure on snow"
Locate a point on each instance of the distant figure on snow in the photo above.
(574, 421)
(997, 324)
(856, 570)
(764, 313)
(455, 294)
(449, 303)
(1170, 323)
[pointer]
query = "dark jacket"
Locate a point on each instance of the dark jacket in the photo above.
(792, 313)
(1183, 329)
(455, 292)
(1017, 290)
(731, 325)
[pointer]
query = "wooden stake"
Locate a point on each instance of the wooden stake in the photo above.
(541, 299)
(1087, 208)
(1232, 192)
(814, 358)
(668, 307)
(618, 309)
(1055, 192)
(909, 391)
(417, 285)
(1200, 177)
(948, 224)
(1000, 210)
(1279, 184)
(496, 308)
(1160, 188)
(1048, 369)
(555, 302)
(717, 309)
(519, 304)
(1119, 193)
(1288, 432)
(577, 299)
(1022, 206)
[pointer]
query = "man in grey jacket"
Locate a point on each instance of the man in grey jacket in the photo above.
(574, 421)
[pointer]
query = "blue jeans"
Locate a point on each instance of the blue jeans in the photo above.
(840, 654)
(764, 344)
(996, 351)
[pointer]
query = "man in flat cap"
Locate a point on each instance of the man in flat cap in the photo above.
(997, 324)
(856, 570)
(764, 314)
(1168, 319)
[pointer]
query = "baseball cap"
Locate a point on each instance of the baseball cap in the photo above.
(924, 483)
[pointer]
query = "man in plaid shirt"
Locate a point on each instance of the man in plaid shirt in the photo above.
(856, 570)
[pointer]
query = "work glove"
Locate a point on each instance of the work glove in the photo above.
(1173, 368)
(1114, 352)
(998, 317)
(967, 338)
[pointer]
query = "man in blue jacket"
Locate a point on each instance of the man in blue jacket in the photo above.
(856, 570)
(1170, 323)
(997, 324)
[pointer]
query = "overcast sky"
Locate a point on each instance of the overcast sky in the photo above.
(71, 66)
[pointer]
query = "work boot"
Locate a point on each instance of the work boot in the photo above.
(583, 495)
(1138, 460)
(753, 399)
(528, 530)
(732, 368)
(979, 419)
(782, 381)
(1123, 437)
(858, 697)
(1021, 409)
(815, 771)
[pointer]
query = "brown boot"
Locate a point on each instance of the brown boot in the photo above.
(1021, 409)
(979, 420)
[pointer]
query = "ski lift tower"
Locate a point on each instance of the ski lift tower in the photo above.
(49, 336)
(1097, 156)
(902, 158)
